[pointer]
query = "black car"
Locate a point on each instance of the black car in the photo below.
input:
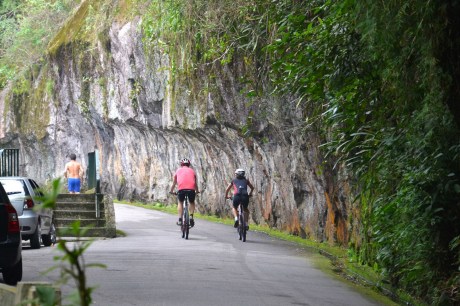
(10, 241)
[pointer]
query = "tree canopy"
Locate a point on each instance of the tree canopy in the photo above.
(26, 27)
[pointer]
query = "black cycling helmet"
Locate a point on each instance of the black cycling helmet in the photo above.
(185, 162)
(240, 172)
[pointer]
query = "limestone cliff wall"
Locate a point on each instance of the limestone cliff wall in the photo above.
(115, 97)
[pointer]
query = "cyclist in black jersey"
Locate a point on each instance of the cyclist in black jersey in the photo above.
(240, 186)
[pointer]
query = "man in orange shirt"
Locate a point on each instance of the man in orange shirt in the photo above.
(186, 181)
(74, 174)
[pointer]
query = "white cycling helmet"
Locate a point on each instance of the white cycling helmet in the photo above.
(185, 162)
(240, 172)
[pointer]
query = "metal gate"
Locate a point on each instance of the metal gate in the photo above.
(9, 162)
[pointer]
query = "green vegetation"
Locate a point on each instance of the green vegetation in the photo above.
(200, 37)
(25, 30)
(372, 75)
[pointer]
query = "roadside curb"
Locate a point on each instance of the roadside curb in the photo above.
(23, 292)
(354, 277)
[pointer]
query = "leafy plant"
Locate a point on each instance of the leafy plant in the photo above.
(73, 265)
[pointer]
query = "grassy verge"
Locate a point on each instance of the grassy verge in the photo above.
(331, 259)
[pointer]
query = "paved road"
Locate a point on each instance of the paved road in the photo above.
(152, 265)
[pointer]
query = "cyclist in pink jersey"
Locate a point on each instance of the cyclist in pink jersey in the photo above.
(187, 184)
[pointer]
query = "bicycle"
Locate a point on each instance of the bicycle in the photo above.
(185, 226)
(242, 228)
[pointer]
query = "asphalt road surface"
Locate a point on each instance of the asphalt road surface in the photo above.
(153, 265)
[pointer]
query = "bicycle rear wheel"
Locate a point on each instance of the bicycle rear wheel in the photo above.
(242, 224)
(244, 232)
(182, 229)
(241, 228)
(185, 219)
(186, 225)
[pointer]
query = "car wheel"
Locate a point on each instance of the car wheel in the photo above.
(13, 275)
(36, 239)
(50, 239)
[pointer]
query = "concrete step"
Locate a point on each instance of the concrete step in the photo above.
(70, 197)
(89, 232)
(77, 214)
(75, 199)
(82, 207)
(59, 222)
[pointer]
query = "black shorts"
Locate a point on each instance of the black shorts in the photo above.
(241, 198)
(190, 193)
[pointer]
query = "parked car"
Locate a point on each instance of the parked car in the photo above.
(36, 223)
(10, 241)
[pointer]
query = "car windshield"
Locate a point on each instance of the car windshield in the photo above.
(14, 188)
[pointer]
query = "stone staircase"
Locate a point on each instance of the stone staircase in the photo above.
(72, 207)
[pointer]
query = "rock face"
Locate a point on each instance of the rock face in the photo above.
(124, 102)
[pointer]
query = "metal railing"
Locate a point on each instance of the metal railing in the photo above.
(9, 162)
